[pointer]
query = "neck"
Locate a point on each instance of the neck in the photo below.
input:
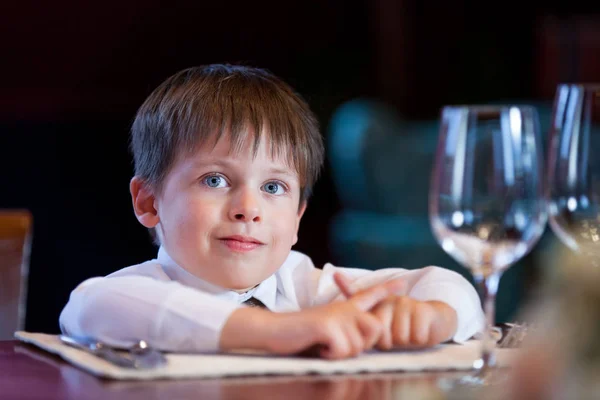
(242, 291)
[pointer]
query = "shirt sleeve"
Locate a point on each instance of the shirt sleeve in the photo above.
(424, 284)
(169, 315)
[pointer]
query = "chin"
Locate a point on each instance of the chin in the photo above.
(240, 285)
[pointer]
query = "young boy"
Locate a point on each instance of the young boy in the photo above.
(225, 159)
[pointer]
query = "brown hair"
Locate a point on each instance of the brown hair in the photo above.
(204, 103)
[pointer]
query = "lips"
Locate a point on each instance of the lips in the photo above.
(243, 239)
(240, 243)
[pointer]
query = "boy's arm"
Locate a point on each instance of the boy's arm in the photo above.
(174, 317)
(168, 315)
(408, 322)
(336, 330)
(432, 284)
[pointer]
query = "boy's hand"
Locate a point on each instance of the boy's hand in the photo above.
(408, 322)
(340, 329)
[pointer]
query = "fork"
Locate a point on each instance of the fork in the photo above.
(515, 336)
(139, 356)
(146, 356)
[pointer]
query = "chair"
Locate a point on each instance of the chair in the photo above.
(15, 244)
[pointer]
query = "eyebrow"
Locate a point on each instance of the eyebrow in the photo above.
(229, 162)
(280, 171)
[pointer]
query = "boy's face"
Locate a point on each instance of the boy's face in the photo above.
(230, 219)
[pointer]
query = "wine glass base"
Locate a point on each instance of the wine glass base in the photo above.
(473, 385)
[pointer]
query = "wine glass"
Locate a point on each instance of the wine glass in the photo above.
(573, 196)
(573, 187)
(486, 201)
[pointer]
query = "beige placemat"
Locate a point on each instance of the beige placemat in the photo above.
(445, 357)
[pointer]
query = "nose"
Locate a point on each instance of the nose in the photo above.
(245, 206)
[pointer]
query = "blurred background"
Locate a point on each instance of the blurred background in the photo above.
(376, 73)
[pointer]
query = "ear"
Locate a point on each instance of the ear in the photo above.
(298, 218)
(143, 200)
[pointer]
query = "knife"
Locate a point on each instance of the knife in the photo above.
(100, 350)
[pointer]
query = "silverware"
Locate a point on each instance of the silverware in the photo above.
(514, 337)
(146, 356)
(139, 356)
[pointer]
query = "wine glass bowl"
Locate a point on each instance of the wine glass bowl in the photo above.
(573, 186)
(486, 201)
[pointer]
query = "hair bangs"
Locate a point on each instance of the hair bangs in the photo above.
(245, 117)
(200, 105)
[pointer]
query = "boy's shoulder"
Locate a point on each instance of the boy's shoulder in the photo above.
(151, 269)
(294, 261)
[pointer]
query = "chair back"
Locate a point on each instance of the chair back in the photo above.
(15, 245)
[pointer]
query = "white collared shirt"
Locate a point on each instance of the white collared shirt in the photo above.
(174, 310)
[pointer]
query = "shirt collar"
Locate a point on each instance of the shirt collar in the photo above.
(266, 291)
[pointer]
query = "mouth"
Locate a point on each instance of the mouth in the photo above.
(241, 243)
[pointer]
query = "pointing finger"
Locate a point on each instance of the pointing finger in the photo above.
(367, 299)
(343, 283)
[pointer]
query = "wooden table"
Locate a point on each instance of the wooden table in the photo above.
(27, 372)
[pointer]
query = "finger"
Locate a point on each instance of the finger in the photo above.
(401, 323)
(419, 326)
(443, 324)
(355, 340)
(371, 329)
(336, 344)
(384, 313)
(366, 299)
(343, 283)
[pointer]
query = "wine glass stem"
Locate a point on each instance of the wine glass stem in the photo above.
(488, 288)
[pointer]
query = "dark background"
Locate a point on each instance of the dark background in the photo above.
(73, 73)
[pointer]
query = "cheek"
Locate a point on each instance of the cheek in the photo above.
(201, 214)
(285, 224)
(191, 217)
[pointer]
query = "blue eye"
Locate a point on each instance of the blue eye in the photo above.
(274, 187)
(214, 181)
